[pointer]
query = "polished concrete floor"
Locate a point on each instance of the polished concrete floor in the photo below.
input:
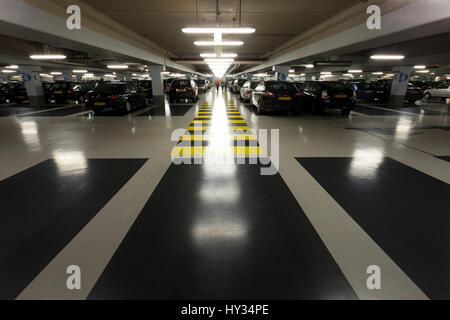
(110, 195)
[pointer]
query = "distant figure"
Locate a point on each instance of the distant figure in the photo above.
(217, 85)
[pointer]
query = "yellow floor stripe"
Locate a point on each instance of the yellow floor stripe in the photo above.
(209, 121)
(204, 128)
(205, 137)
(199, 151)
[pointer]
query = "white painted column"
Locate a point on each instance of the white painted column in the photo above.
(157, 84)
(33, 85)
(281, 72)
(399, 85)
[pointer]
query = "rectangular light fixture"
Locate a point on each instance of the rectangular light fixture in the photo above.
(48, 57)
(325, 72)
(333, 63)
(221, 30)
(377, 72)
(423, 71)
(218, 60)
(55, 73)
(117, 66)
(223, 43)
(8, 71)
(110, 75)
(79, 71)
(387, 57)
(12, 67)
(419, 67)
(309, 66)
(355, 71)
(291, 71)
(223, 55)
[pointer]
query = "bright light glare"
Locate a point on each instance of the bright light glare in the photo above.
(12, 67)
(221, 30)
(79, 71)
(423, 71)
(47, 57)
(355, 71)
(419, 67)
(55, 73)
(117, 66)
(325, 72)
(377, 72)
(309, 66)
(8, 71)
(386, 57)
(291, 71)
(223, 55)
(219, 60)
(223, 43)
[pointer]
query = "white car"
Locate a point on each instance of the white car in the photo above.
(441, 91)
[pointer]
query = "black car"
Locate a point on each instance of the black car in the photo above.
(183, 89)
(413, 93)
(115, 96)
(59, 91)
(237, 84)
(146, 87)
(275, 95)
(316, 96)
(6, 92)
(77, 92)
(18, 93)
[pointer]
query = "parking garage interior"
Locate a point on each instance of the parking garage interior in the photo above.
(224, 150)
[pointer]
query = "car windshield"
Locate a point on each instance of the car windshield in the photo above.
(254, 84)
(110, 87)
(145, 84)
(279, 86)
(200, 82)
(338, 85)
(60, 85)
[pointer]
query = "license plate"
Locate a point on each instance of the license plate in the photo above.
(59, 92)
(415, 92)
(340, 96)
(181, 90)
(144, 89)
(380, 91)
(100, 103)
(21, 97)
(369, 91)
(285, 98)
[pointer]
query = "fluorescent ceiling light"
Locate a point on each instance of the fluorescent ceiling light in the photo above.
(110, 75)
(302, 74)
(12, 67)
(389, 74)
(291, 71)
(347, 74)
(377, 72)
(355, 71)
(117, 66)
(223, 43)
(309, 66)
(88, 75)
(423, 71)
(47, 56)
(79, 71)
(386, 57)
(419, 67)
(223, 55)
(221, 30)
(219, 60)
(325, 72)
(55, 73)
(8, 71)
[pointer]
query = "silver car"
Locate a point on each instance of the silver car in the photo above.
(247, 90)
(442, 91)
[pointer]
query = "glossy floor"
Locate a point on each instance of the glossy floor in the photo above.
(149, 211)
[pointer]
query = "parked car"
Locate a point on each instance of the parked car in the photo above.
(237, 84)
(183, 89)
(202, 85)
(116, 96)
(77, 92)
(6, 92)
(59, 91)
(442, 91)
(146, 87)
(18, 93)
(413, 93)
(366, 91)
(247, 90)
(316, 96)
(167, 83)
(275, 95)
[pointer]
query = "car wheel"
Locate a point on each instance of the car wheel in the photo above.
(427, 96)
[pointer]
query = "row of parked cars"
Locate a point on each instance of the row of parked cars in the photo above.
(59, 91)
(316, 96)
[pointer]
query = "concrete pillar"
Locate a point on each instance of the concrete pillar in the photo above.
(157, 84)
(281, 72)
(399, 85)
(33, 85)
(188, 76)
(308, 77)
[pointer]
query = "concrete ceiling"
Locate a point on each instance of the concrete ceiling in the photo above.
(275, 21)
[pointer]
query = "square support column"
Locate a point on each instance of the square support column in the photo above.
(399, 85)
(281, 72)
(33, 85)
(157, 84)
